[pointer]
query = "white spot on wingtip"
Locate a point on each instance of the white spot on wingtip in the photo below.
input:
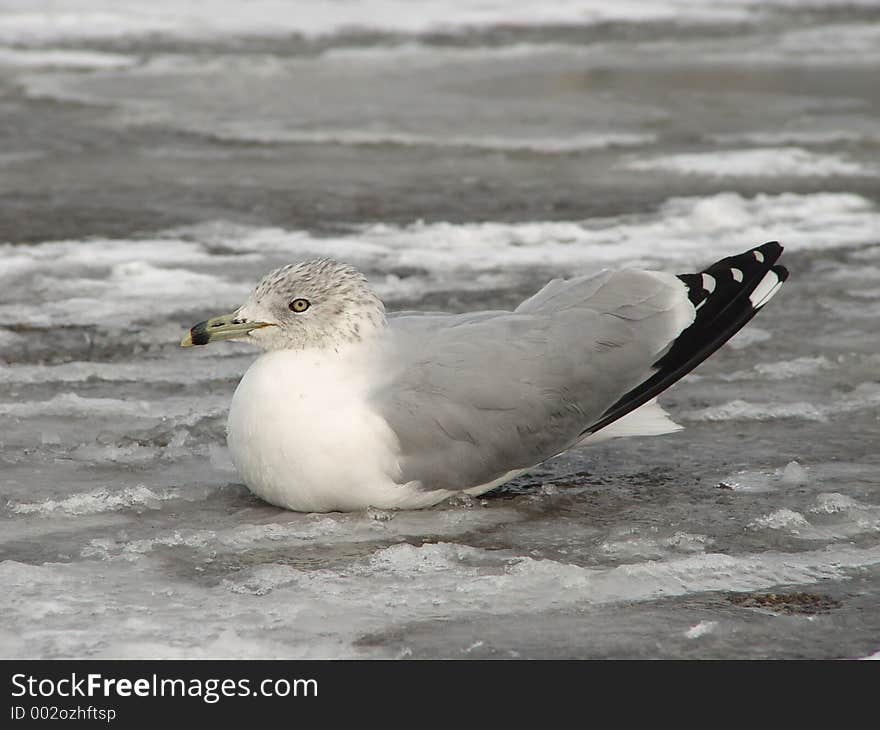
(758, 255)
(768, 286)
(737, 274)
(771, 294)
(708, 283)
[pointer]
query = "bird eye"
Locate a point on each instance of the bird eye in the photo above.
(299, 305)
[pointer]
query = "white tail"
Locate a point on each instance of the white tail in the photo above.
(647, 420)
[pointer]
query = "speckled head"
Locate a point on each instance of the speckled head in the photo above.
(320, 303)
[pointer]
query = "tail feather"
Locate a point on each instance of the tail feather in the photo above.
(648, 419)
(725, 297)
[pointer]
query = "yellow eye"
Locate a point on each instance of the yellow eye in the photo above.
(299, 305)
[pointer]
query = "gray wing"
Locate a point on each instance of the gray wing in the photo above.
(481, 394)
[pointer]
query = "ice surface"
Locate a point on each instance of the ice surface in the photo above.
(852, 519)
(743, 410)
(413, 583)
(794, 474)
(764, 162)
(863, 396)
(798, 137)
(360, 138)
(113, 283)
(701, 629)
(155, 371)
(43, 20)
(136, 481)
(71, 404)
(834, 502)
(101, 500)
(748, 336)
(783, 370)
(22, 57)
(783, 519)
(486, 162)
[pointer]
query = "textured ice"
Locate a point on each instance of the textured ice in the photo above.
(113, 283)
(798, 137)
(745, 411)
(71, 404)
(765, 162)
(21, 57)
(631, 545)
(794, 474)
(848, 523)
(782, 370)
(782, 519)
(829, 44)
(683, 229)
(701, 629)
(274, 603)
(159, 198)
(863, 396)
(834, 502)
(748, 336)
(299, 530)
(32, 21)
(146, 371)
(267, 578)
(361, 138)
(100, 500)
(822, 45)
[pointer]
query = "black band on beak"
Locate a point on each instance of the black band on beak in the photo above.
(199, 334)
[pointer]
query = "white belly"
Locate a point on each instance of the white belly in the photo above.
(303, 436)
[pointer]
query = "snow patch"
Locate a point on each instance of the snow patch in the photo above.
(865, 395)
(73, 405)
(701, 629)
(80, 60)
(782, 370)
(781, 519)
(115, 283)
(747, 337)
(761, 162)
(794, 474)
(740, 410)
(834, 503)
(100, 500)
(365, 138)
(42, 21)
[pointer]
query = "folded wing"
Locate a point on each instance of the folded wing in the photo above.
(493, 392)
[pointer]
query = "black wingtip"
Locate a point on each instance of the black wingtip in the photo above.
(726, 295)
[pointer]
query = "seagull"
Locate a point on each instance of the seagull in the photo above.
(350, 408)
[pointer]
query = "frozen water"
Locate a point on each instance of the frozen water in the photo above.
(701, 629)
(766, 162)
(783, 519)
(63, 59)
(141, 193)
(794, 473)
(113, 283)
(44, 20)
(796, 368)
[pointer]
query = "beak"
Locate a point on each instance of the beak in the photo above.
(225, 327)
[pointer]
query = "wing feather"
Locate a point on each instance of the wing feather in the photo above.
(475, 396)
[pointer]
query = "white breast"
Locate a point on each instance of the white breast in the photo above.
(303, 435)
